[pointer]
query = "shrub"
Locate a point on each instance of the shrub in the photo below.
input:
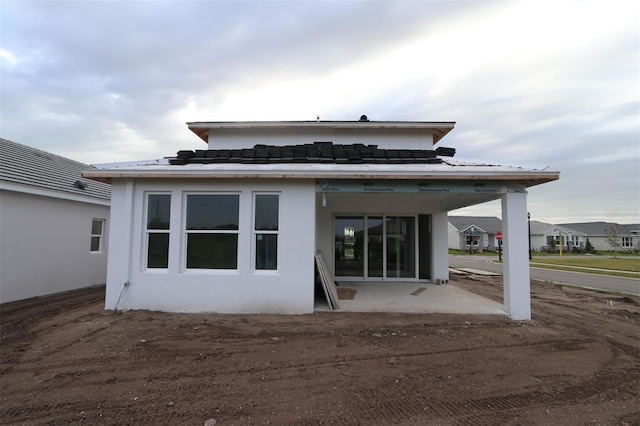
(588, 247)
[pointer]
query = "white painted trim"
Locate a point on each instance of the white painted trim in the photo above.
(321, 124)
(325, 171)
(26, 189)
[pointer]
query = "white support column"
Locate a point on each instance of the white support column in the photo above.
(440, 246)
(516, 279)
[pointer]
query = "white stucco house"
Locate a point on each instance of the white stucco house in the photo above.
(598, 233)
(549, 237)
(53, 224)
(474, 232)
(234, 227)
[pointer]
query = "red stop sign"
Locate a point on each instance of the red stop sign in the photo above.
(499, 236)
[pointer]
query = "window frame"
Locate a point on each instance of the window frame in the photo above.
(626, 242)
(185, 232)
(100, 236)
(148, 231)
(255, 232)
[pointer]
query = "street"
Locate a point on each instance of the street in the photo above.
(595, 281)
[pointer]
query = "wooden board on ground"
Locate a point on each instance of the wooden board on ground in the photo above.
(328, 285)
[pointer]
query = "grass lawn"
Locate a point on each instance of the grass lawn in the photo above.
(624, 267)
(619, 264)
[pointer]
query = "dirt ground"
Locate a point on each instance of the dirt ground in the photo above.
(65, 360)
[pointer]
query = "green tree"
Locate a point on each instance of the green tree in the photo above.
(588, 247)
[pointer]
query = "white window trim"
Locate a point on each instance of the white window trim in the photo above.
(184, 232)
(145, 242)
(255, 232)
(100, 236)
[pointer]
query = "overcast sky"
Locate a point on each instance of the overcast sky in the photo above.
(543, 84)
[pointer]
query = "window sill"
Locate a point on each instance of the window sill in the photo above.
(211, 272)
(267, 272)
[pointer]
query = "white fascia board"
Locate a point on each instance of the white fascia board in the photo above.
(475, 227)
(322, 124)
(322, 171)
(32, 190)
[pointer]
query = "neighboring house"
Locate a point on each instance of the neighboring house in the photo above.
(234, 228)
(548, 237)
(53, 224)
(477, 233)
(598, 232)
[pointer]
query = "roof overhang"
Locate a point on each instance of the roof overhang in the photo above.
(439, 128)
(160, 169)
(451, 184)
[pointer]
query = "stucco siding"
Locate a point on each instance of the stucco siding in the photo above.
(453, 236)
(384, 138)
(289, 289)
(45, 245)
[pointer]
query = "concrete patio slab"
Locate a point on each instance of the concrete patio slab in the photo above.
(416, 298)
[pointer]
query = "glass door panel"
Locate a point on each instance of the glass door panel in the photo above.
(375, 242)
(400, 239)
(349, 246)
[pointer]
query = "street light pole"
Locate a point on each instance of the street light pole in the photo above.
(529, 225)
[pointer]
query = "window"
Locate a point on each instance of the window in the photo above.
(555, 239)
(212, 231)
(626, 242)
(266, 231)
(157, 230)
(97, 230)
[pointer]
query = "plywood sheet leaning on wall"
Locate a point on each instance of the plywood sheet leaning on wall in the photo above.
(328, 285)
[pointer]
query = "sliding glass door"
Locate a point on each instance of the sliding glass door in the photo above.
(401, 247)
(349, 246)
(389, 252)
(375, 246)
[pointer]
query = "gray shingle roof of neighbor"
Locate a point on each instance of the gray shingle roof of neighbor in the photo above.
(542, 228)
(317, 152)
(489, 224)
(603, 228)
(31, 167)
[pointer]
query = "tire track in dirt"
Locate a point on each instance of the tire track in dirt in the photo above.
(393, 405)
(17, 317)
(320, 369)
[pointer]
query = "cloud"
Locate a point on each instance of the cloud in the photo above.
(528, 83)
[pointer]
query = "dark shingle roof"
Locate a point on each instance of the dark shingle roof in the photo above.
(317, 152)
(23, 165)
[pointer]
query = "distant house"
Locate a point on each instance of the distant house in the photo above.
(548, 237)
(597, 233)
(53, 224)
(474, 232)
(236, 227)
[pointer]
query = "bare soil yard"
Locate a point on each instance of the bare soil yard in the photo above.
(65, 360)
